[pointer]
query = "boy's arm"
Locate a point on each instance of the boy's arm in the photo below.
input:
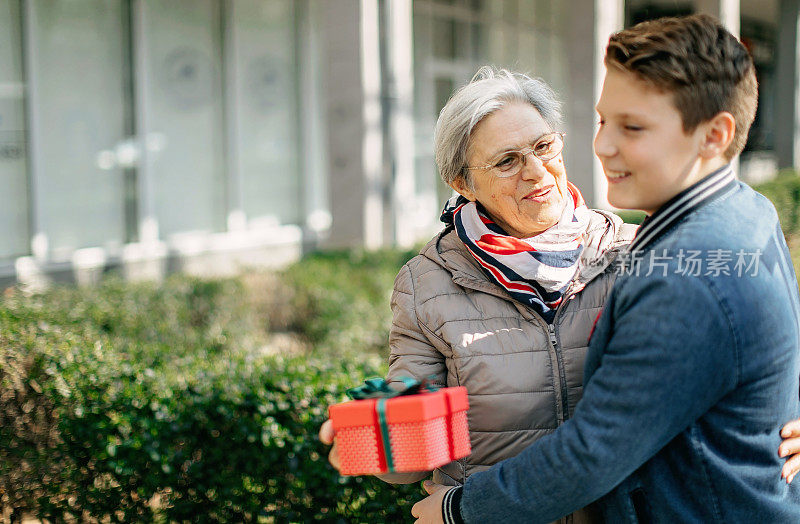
(669, 359)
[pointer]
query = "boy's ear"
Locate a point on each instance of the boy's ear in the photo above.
(462, 188)
(718, 135)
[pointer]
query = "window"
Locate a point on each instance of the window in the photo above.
(180, 116)
(264, 109)
(77, 71)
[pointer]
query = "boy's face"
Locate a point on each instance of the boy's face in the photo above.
(646, 155)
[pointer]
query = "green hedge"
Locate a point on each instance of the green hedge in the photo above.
(784, 192)
(142, 403)
(631, 217)
(341, 299)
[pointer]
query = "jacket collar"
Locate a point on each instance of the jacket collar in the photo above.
(717, 184)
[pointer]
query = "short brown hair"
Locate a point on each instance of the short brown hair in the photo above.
(694, 57)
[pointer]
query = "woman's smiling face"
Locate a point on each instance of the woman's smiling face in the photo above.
(532, 200)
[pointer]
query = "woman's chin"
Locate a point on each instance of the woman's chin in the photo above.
(540, 226)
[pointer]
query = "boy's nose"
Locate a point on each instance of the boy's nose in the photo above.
(603, 145)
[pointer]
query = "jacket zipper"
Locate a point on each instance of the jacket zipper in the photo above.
(559, 357)
(551, 332)
(553, 339)
(552, 329)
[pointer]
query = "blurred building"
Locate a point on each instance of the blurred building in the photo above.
(203, 135)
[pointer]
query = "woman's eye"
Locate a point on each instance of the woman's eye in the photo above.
(543, 147)
(633, 128)
(507, 161)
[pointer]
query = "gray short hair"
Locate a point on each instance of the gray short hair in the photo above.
(489, 90)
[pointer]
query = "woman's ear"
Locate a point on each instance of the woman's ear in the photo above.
(463, 188)
(718, 135)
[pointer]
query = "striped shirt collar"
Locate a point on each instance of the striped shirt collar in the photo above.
(711, 187)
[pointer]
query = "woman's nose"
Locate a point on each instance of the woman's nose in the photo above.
(533, 167)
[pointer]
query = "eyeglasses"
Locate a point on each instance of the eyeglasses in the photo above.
(546, 148)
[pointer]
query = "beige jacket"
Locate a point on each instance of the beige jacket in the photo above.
(523, 377)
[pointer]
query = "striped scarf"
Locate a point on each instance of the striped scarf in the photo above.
(535, 271)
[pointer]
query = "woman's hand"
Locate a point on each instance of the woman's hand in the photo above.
(327, 437)
(790, 447)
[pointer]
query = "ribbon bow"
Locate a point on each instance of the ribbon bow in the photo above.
(379, 388)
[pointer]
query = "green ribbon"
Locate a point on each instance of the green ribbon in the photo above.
(379, 388)
(380, 408)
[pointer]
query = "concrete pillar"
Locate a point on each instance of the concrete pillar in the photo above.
(350, 52)
(727, 11)
(314, 160)
(787, 138)
(400, 94)
(372, 140)
(598, 18)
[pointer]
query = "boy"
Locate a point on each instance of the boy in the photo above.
(693, 364)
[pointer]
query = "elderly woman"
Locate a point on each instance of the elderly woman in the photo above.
(504, 299)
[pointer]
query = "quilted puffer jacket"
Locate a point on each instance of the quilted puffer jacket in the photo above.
(523, 376)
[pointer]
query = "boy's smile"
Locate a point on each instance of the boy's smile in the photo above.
(646, 155)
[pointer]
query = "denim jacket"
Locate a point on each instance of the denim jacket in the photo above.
(688, 380)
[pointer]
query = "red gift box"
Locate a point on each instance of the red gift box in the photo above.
(405, 433)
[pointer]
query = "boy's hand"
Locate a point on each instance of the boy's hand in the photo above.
(790, 447)
(326, 436)
(429, 509)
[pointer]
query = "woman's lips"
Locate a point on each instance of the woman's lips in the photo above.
(540, 195)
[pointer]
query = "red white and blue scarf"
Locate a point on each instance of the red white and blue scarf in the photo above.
(536, 271)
